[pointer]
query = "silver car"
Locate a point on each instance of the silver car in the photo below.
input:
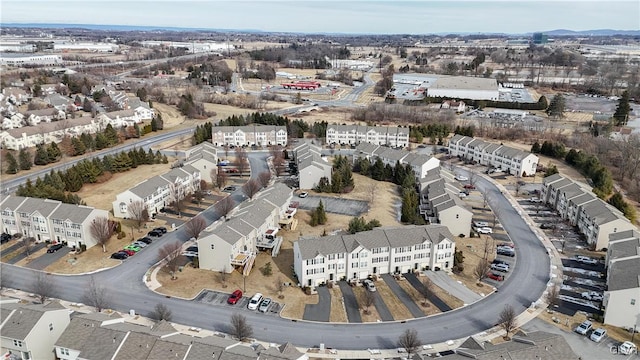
(264, 305)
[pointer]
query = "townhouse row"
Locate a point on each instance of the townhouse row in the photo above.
(312, 166)
(420, 163)
(381, 251)
(576, 204)
(254, 226)
(48, 332)
(49, 220)
(249, 135)
(440, 202)
(504, 158)
(622, 299)
(392, 136)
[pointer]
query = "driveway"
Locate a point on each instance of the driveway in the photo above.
(418, 285)
(443, 280)
(23, 254)
(399, 292)
(350, 302)
(334, 205)
(381, 307)
(322, 310)
(47, 259)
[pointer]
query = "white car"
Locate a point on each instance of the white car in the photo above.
(255, 301)
(500, 267)
(598, 335)
(303, 194)
(369, 285)
(484, 230)
(462, 194)
(591, 295)
(480, 224)
(461, 178)
(628, 348)
(584, 328)
(586, 260)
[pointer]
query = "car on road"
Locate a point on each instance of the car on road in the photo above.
(254, 302)
(128, 252)
(161, 229)
(584, 328)
(598, 334)
(229, 189)
(586, 260)
(470, 186)
(303, 194)
(461, 178)
(591, 295)
(369, 285)
(234, 297)
(500, 267)
(480, 224)
(154, 233)
(54, 248)
(264, 305)
(484, 230)
(120, 255)
(494, 276)
(132, 248)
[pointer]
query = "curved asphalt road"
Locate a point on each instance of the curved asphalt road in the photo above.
(127, 291)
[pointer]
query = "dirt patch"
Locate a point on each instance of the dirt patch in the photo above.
(171, 117)
(396, 307)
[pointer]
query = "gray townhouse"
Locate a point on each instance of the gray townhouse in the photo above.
(312, 166)
(249, 135)
(575, 202)
(622, 298)
(420, 164)
(369, 253)
(440, 202)
(392, 136)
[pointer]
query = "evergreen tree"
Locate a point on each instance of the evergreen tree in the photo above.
(101, 141)
(24, 159)
(87, 105)
(78, 146)
(136, 128)
(621, 116)
(154, 126)
(88, 141)
(409, 209)
(72, 180)
(12, 164)
(535, 148)
(42, 156)
(321, 215)
(111, 134)
(54, 152)
(556, 108)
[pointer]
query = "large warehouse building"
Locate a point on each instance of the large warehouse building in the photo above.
(417, 86)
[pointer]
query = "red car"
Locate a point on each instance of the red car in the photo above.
(470, 186)
(494, 276)
(234, 297)
(128, 252)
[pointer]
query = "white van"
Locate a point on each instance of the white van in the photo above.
(254, 302)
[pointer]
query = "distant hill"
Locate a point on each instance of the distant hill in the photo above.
(595, 32)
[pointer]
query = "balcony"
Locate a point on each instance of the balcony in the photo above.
(241, 258)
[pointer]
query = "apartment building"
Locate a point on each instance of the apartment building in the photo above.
(46, 132)
(420, 164)
(253, 226)
(249, 135)
(45, 219)
(504, 158)
(312, 166)
(622, 299)
(575, 202)
(440, 202)
(392, 136)
(121, 118)
(159, 191)
(379, 251)
(203, 157)
(29, 331)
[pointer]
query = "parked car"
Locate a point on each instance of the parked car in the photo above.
(547, 226)
(627, 348)
(480, 224)
(128, 252)
(4, 238)
(506, 251)
(470, 186)
(234, 297)
(189, 254)
(484, 230)
(491, 171)
(494, 276)
(499, 261)
(161, 229)
(591, 295)
(500, 267)
(120, 255)
(303, 194)
(506, 244)
(586, 260)
(192, 249)
(54, 248)
(254, 302)
(584, 328)
(535, 200)
(598, 334)
(229, 189)
(140, 244)
(463, 194)
(147, 240)
(154, 233)
(461, 178)
(369, 285)
(264, 305)
(132, 247)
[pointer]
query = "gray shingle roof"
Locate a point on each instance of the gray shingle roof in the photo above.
(22, 320)
(624, 274)
(11, 202)
(285, 351)
(79, 330)
(77, 214)
(43, 206)
(137, 346)
(102, 343)
(168, 348)
(553, 178)
(624, 244)
(531, 346)
(148, 187)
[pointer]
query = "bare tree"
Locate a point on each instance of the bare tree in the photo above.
(27, 245)
(101, 229)
(44, 287)
(241, 160)
(223, 276)
(171, 253)
(224, 206)
(371, 192)
(222, 178)
(240, 328)
(137, 211)
(367, 301)
(251, 188)
(279, 287)
(264, 178)
(278, 165)
(518, 184)
(96, 296)
(226, 148)
(481, 270)
(409, 341)
(176, 195)
(427, 290)
(553, 295)
(507, 320)
(161, 312)
(195, 226)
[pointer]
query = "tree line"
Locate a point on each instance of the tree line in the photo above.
(341, 178)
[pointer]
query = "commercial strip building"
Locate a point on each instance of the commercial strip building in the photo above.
(312, 166)
(381, 251)
(622, 299)
(503, 158)
(576, 204)
(392, 136)
(249, 135)
(231, 244)
(49, 220)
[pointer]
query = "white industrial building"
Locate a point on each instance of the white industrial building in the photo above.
(29, 59)
(417, 86)
(98, 47)
(192, 47)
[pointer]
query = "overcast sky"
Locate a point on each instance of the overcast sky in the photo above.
(333, 16)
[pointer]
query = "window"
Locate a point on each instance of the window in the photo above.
(17, 343)
(50, 326)
(64, 351)
(633, 301)
(213, 246)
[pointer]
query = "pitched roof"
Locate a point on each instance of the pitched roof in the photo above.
(11, 202)
(22, 319)
(77, 214)
(43, 206)
(624, 274)
(624, 244)
(285, 351)
(149, 186)
(534, 345)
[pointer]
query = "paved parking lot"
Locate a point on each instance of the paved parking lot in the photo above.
(220, 299)
(334, 205)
